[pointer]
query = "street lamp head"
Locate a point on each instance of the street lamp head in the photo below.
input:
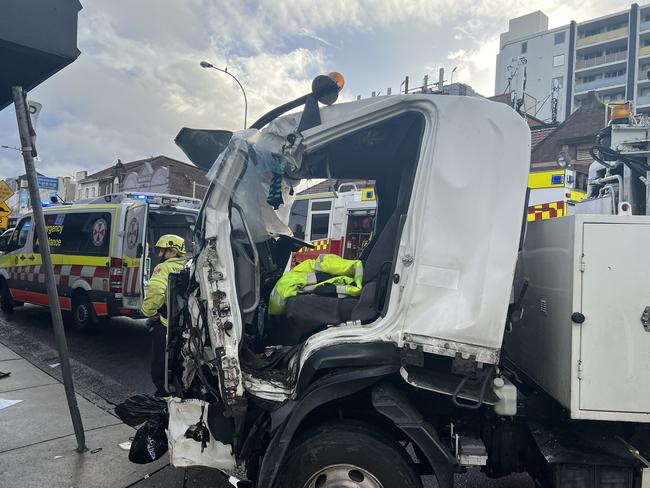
(205, 64)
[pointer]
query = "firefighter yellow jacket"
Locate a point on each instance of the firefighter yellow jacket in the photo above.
(156, 297)
(327, 269)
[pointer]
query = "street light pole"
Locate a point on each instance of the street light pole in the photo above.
(205, 64)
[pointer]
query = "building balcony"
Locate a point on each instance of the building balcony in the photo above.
(602, 37)
(644, 51)
(644, 26)
(642, 75)
(604, 59)
(644, 100)
(601, 83)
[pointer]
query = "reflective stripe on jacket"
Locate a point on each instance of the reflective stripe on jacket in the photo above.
(346, 275)
(156, 297)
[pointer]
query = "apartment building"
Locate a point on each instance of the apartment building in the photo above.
(609, 55)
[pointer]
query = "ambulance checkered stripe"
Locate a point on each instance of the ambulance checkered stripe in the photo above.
(546, 211)
(131, 282)
(319, 246)
(65, 275)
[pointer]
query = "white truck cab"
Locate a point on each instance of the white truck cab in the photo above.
(326, 393)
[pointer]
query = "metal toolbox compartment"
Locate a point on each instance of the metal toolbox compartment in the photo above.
(597, 266)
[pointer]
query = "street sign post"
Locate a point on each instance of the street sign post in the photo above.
(29, 152)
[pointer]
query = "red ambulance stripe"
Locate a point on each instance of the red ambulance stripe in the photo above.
(134, 280)
(75, 270)
(101, 272)
(38, 298)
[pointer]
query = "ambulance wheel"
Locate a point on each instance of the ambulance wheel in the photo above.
(347, 454)
(83, 317)
(6, 302)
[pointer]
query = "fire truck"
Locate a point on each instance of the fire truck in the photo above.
(339, 221)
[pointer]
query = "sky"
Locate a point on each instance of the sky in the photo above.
(138, 79)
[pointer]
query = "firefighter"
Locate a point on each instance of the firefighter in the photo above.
(171, 249)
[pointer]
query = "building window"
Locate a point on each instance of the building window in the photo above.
(582, 152)
(524, 47)
(559, 38)
(557, 82)
(614, 74)
(87, 190)
(92, 192)
(558, 60)
(616, 50)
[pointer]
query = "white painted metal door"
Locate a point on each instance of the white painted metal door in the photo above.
(614, 346)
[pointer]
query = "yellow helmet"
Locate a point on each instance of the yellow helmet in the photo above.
(172, 241)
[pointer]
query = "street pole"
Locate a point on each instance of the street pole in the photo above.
(205, 64)
(22, 118)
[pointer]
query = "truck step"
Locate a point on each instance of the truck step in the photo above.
(471, 451)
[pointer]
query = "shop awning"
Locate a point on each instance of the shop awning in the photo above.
(37, 39)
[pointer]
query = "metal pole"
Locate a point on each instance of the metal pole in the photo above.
(205, 64)
(22, 118)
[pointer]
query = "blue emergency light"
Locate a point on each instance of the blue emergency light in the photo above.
(557, 179)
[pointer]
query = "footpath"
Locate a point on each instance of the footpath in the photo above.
(38, 446)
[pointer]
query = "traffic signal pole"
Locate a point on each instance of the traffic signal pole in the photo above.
(28, 151)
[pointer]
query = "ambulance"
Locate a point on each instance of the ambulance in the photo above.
(340, 221)
(553, 192)
(102, 252)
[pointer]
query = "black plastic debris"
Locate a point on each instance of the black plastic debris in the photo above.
(150, 441)
(137, 409)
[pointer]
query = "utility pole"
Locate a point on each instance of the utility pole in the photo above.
(26, 142)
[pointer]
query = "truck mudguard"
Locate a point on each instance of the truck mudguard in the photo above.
(322, 391)
(392, 403)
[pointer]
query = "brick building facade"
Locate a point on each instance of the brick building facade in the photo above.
(159, 174)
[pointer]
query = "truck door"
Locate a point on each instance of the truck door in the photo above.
(614, 345)
(134, 255)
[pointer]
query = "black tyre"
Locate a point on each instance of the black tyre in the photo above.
(83, 316)
(347, 454)
(6, 302)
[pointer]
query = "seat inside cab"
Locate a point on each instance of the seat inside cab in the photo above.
(386, 153)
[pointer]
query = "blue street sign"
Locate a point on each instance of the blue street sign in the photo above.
(45, 183)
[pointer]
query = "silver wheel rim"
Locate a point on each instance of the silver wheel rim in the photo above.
(343, 476)
(82, 314)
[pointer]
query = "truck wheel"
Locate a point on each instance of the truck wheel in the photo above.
(347, 454)
(6, 302)
(83, 317)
